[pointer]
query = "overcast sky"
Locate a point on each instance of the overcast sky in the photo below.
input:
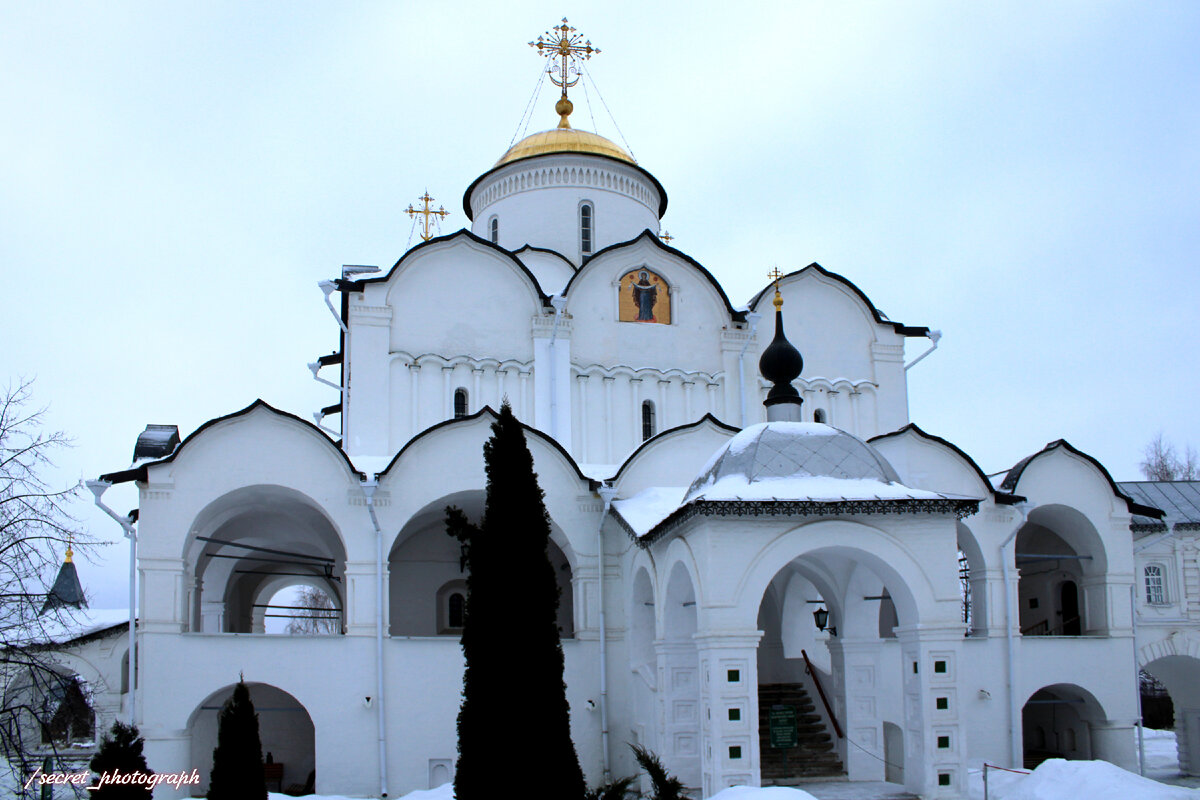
(1025, 177)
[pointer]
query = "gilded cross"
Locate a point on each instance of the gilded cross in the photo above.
(426, 212)
(666, 236)
(562, 46)
(775, 275)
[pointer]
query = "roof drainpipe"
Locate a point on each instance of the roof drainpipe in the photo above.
(1137, 670)
(933, 336)
(1014, 713)
(98, 488)
(752, 317)
(559, 302)
(369, 485)
(607, 493)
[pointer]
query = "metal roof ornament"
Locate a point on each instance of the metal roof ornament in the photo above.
(563, 48)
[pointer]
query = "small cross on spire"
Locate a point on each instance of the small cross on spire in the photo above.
(666, 237)
(426, 212)
(775, 275)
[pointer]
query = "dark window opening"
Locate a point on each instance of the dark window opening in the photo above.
(495, 231)
(648, 424)
(460, 403)
(585, 229)
(819, 415)
(456, 610)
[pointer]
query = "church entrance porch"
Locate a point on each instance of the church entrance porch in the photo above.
(285, 729)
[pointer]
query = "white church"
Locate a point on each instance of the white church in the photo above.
(768, 572)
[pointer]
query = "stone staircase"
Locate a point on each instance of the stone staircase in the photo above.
(813, 758)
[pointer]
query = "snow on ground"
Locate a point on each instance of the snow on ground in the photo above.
(767, 793)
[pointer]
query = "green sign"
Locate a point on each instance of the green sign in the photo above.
(783, 727)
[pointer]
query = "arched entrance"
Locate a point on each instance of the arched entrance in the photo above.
(828, 654)
(1058, 721)
(284, 727)
(1180, 674)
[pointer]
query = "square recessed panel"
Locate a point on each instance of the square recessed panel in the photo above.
(733, 675)
(942, 703)
(735, 714)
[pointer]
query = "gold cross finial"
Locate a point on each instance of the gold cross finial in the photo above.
(666, 236)
(563, 48)
(775, 275)
(426, 212)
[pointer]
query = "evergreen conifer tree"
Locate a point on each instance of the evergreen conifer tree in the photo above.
(120, 750)
(237, 772)
(514, 713)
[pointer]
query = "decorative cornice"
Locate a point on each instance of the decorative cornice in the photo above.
(960, 508)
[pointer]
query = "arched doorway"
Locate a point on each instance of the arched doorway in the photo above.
(284, 727)
(1057, 722)
(1180, 675)
(840, 621)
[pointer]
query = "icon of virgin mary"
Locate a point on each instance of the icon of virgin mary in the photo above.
(645, 294)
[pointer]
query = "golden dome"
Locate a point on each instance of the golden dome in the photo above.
(564, 140)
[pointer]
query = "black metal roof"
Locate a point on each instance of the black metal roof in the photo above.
(67, 590)
(156, 441)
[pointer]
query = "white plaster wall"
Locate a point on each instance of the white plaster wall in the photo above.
(537, 203)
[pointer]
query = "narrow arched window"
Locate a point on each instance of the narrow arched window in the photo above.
(585, 228)
(648, 427)
(460, 403)
(819, 415)
(456, 607)
(1156, 594)
(494, 230)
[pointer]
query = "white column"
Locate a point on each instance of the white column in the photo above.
(523, 403)
(447, 398)
(414, 394)
(635, 395)
(729, 753)
(608, 420)
(476, 399)
(687, 401)
(582, 380)
(712, 399)
(662, 421)
(501, 374)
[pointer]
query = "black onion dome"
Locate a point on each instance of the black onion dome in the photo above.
(780, 363)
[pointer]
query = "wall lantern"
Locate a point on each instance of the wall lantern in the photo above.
(821, 617)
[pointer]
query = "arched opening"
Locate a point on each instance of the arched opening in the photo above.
(1179, 676)
(284, 728)
(819, 415)
(460, 403)
(249, 544)
(1062, 567)
(585, 228)
(48, 708)
(299, 608)
(1058, 722)
(680, 751)
(649, 427)
(972, 581)
(642, 658)
(819, 689)
(494, 230)
(426, 569)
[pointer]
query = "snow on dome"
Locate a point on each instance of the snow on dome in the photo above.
(771, 451)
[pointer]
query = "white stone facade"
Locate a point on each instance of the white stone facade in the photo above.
(698, 615)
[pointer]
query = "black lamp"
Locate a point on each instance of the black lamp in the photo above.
(821, 617)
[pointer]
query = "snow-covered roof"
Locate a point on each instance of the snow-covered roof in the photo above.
(68, 625)
(790, 468)
(771, 451)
